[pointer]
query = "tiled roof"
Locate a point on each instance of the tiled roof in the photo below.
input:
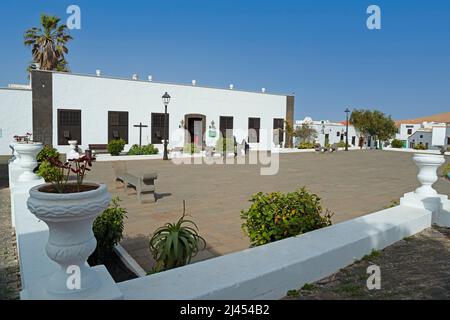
(440, 118)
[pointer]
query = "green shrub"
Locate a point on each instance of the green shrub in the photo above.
(46, 153)
(307, 145)
(115, 147)
(226, 144)
(191, 148)
(49, 172)
(275, 216)
(142, 150)
(397, 144)
(44, 168)
(420, 147)
(341, 144)
(446, 170)
(174, 244)
(108, 230)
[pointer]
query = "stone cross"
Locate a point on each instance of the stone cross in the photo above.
(140, 126)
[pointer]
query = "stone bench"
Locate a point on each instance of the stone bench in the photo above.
(99, 148)
(142, 183)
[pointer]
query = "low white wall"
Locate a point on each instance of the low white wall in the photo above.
(414, 151)
(269, 271)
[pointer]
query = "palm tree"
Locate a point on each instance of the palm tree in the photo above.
(49, 43)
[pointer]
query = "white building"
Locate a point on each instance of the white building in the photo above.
(432, 137)
(94, 109)
(331, 132)
(413, 134)
(15, 115)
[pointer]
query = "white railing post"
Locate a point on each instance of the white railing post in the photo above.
(425, 196)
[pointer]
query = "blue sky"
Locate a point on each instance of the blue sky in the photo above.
(320, 50)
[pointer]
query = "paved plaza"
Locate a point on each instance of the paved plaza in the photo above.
(351, 184)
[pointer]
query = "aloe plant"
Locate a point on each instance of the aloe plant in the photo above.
(175, 244)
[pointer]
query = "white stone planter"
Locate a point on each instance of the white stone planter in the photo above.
(27, 154)
(72, 154)
(71, 240)
(16, 158)
(428, 165)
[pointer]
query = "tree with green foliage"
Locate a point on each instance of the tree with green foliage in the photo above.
(49, 43)
(305, 133)
(374, 123)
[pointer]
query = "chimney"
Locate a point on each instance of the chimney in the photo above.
(194, 82)
(150, 78)
(98, 72)
(135, 77)
(263, 90)
(231, 86)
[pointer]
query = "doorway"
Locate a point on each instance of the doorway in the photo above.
(195, 126)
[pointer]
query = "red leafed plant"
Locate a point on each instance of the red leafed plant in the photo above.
(23, 139)
(76, 166)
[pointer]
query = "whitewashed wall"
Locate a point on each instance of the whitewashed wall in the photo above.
(15, 116)
(421, 137)
(95, 96)
(331, 129)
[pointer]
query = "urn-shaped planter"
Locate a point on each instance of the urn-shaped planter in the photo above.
(69, 217)
(73, 154)
(27, 154)
(15, 159)
(428, 165)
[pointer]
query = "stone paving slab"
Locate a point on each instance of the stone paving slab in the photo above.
(415, 268)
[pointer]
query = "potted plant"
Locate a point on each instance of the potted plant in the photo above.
(69, 207)
(27, 151)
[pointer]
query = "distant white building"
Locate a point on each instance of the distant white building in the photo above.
(432, 137)
(333, 132)
(413, 134)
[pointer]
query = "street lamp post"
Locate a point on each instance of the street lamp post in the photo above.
(347, 111)
(166, 100)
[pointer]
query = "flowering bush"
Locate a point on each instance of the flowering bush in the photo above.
(78, 166)
(23, 139)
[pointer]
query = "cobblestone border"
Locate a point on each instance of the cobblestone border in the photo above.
(9, 265)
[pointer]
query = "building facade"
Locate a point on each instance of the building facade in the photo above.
(95, 109)
(332, 132)
(15, 115)
(432, 137)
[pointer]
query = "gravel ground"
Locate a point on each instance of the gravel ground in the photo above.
(414, 268)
